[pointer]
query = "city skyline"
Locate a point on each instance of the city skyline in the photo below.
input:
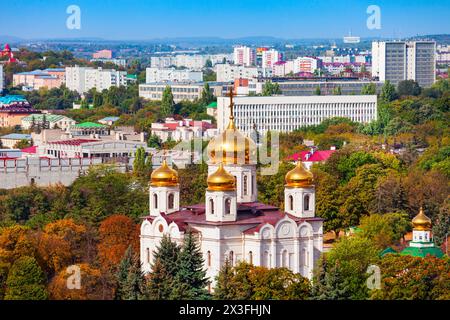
(133, 20)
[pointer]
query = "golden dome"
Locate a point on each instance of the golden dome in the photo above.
(221, 180)
(421, 221)
(299, 177)
(164, 176)
(231, 145)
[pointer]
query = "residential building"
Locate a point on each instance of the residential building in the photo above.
(248, 86)
(102, 54)
(244, 56)
(51, 121)
(308, 86)
(288, 113)
(443, 55)
(89, 129)
(6, 154)
(231, 225)
(12, 109)
(10, 140)
(269, 58)
(306, 64)
(191, 62)
(82, 79)
(172, 75)
(119, 62)
(404, 60)
(230, 72)
(34, 80)
(312, 156)
(108, 121)
(183, 130)
(190, 91)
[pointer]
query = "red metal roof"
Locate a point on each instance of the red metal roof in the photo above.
(253, 214)
(317, 156)
(31, 149)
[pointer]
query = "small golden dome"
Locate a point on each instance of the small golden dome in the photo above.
(221, 180)
(299, 177)
(164, 176)
(421, 221)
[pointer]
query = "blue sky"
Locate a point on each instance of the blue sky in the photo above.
(148, 19)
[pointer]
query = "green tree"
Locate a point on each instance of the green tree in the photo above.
(388, 92)
(22, 144)
(329, 283)
(337, 91)
(224, 283)
(26, 281)
(408, 88)
(142, 164)
(207, 96)
(190, 280)
(167, 104)
(270, 89)
(164, 269)
(130, 279)
(208, 63)
(317, 91)
(441, 225)
(154, 141)
(369, 89)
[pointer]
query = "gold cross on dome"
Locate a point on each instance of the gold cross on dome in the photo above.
(231, 103)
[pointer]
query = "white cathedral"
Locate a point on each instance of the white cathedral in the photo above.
(232, 224)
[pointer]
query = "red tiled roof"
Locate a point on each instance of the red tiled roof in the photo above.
(204, 125)
(74, 142)
(317, 156)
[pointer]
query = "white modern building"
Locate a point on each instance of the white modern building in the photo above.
(231, 224)
(230, 72)
(287, 113)
(404, 60)
(270, 57)
(172, 75)
(48, 121)
(116, 61)
(244, 56)
(190, 91)
(192, 62)
(82, 79)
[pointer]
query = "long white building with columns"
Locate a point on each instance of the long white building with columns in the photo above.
(231, 224)
(288, 113)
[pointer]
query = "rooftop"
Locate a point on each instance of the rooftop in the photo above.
(86, 125)
(48, 117)
(74, 142)
(17, 136)
(316, 156)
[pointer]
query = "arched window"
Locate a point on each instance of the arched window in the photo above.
(171, 200)
(211, 206)
(291, 203)
(306, 202)
(231, 258)
(250, 257)
(148, 255)
(245, 185)
(155, 201)
(227, 206)
(208, 258)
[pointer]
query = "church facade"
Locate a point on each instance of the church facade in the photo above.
(232, 225)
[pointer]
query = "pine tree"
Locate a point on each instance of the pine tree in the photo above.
(26, 281)
(167, 102)
(207, 96)
(164, 269)
(130, 279)
(329, 283)
(224, 283)
(190, 280)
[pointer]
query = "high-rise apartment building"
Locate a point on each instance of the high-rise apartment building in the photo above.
(404, 60)
(172, 74)
(82, 79)
(270, 57)
(244, 56)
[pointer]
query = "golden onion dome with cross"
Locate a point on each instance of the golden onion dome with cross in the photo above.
(231, 146)
(221, 180)
(299, 177)
(164, 176)
(421, 221)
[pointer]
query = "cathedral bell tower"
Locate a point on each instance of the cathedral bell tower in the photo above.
(221, 204)
(164, 190)
(299, 192)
